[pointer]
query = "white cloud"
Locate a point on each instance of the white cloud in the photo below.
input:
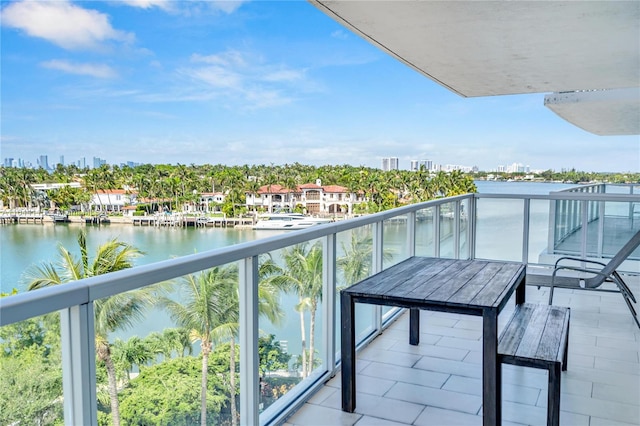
(283, 75)
(148, 4)
(245, 78)
(62, 23)
(226, 5)
(340, 35)
(93, 70)
(187, 7)
(228, 58)
(216, 77)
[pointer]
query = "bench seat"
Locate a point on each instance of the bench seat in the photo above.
(537, 336)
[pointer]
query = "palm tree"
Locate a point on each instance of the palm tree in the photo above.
(303, 276)
(209, 308)
(117, 312)
(357, 261)
(207, 304)
(177, 340)
(130, 352)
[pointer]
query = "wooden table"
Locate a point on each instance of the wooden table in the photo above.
(472, 287)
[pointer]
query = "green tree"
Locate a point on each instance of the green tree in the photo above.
(168, 393)
(31, 372)
(114, 313)
(271, 355)
(129, 353)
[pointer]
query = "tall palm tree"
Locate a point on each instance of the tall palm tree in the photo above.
(177, 340)
(303, 276)
(209, 308)
(130, 352)
(207, 304)
(357, 261)
(114, 313)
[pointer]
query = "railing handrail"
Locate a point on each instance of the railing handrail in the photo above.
(571, 196)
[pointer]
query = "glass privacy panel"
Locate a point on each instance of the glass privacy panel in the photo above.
(499, 228)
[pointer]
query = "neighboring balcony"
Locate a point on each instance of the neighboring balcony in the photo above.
(434, 383)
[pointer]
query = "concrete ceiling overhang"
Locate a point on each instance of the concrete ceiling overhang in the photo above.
(487, 48)
(618, 108)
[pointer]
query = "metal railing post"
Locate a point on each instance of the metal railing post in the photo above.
(456, 229)
(411, 234)
(378, 252)
(585, 224)
(436, 231)
(329, 301)
(77, 335)
(526, 229)
(249, 375)
(601, 207)
(471, 226)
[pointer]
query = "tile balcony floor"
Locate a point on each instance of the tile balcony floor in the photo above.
(439, 381)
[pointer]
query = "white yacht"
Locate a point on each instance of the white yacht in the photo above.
(274, 221)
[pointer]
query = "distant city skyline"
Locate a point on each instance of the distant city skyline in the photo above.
(386, 164)
(253, 82)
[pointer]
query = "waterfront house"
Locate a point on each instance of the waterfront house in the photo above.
(313, 198)
(112, 200)
(209, 201)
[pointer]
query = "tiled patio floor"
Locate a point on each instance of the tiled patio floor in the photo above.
(439, 381)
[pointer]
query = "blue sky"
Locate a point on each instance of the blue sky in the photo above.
(154, 81)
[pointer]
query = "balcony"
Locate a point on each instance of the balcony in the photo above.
(437, 382)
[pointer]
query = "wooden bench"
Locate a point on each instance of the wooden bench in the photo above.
(537, 336)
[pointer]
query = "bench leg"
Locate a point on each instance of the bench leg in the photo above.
(553, 395)
(414, 326)
(348, 352)
(565, 355)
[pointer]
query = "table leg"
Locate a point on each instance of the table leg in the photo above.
(521, 292)
(348, 352)
(414, 326)
(491, 370)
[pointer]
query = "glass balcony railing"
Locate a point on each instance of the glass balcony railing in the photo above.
(266, 312)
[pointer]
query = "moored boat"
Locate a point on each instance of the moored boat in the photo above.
(278, 221)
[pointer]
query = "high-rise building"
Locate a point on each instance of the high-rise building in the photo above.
(8, 162)
(390, 163)
(61, 162)
(97, 162)
(418, 164)
(43, 162)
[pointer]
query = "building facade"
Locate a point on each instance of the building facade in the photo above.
(390, 163)
(112, 200)
(311, 198)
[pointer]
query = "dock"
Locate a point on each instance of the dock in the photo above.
(8, 218)
(176, 220)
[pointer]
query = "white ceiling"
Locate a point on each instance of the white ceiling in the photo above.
(485, 48)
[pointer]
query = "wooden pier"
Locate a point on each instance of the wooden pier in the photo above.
(8, 218)
(184, 221)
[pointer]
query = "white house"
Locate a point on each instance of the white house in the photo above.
(112, 200)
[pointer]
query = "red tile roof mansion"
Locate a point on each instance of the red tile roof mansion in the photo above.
(313, 197)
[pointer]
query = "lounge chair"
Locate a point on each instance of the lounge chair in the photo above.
(599, 272)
